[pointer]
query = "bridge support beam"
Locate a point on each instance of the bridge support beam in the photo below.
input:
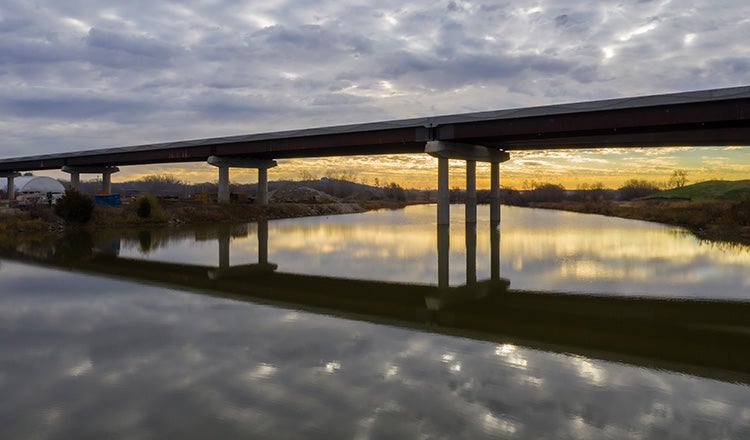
(224, 163)
(106, 172)
(11, 189)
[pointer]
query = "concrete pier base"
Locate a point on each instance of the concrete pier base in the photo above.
(471, 154)
(443, 197)
(494, 192)
(471, 191)
(11, 190)
(106, 172)
(224, 163)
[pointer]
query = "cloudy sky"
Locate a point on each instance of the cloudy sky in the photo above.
(79, 74)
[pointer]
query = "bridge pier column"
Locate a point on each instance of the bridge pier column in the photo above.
(107, 180)
(263, 186)
(223, 184)
(11, 189)
(494, 192)
(443, 197)
(75, 180)
(224, 163)
(471, 191)
(106, 172)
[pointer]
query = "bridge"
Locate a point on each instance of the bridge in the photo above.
(718, 117)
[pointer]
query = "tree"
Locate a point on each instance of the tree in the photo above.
(678, 179)
(635, 188)
(547, 192)
(164, 184)
(305, 175)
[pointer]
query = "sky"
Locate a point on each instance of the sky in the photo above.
(79, 74)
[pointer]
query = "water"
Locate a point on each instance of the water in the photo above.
(110, 339)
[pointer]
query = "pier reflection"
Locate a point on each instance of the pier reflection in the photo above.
(707, 338)
(225, 269)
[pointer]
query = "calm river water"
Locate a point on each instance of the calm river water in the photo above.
(361, 327)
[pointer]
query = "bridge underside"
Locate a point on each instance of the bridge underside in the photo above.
(704, 118)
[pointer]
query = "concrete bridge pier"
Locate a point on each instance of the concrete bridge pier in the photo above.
(11, 176)
(494, 192)
(224, 163)
(106, 172)
(471, 192)
(472, 154)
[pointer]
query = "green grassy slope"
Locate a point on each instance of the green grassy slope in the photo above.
(710, 190)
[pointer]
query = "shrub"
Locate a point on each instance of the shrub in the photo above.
(394, 191)
(144, 207)
(148, 207)
(741, 213)
(74, 207)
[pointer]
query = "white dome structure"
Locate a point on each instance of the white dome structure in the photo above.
(34, 186)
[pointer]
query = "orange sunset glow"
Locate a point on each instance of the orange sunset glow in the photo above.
(570, 168)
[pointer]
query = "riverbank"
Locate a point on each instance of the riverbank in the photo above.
(727, 221)
(41, 220)
(718, 220)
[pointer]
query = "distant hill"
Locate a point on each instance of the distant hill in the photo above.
(709, 190)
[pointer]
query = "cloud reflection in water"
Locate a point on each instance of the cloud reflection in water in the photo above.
(115, 358)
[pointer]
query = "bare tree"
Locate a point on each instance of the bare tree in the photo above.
(678, 179)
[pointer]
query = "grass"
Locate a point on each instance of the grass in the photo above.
(738, 190)
(723, 220)
(22, 226)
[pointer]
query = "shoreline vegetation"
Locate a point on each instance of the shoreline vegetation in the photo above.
(716, 220)
(714, 210)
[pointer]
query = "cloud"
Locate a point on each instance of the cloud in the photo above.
(249, 369)
(205, 69)
(123, 51)
(72, 107)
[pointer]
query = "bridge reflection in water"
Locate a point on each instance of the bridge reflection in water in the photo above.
(699, 337)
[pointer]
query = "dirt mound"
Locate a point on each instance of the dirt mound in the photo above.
(300, 194)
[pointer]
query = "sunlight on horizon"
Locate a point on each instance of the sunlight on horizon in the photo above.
(570, 168)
